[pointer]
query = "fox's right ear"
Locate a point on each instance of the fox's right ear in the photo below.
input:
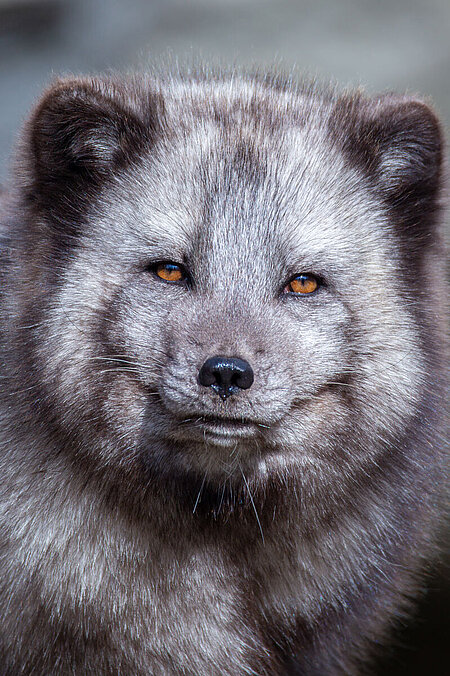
(85, 128)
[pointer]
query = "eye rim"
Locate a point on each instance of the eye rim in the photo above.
(299, 294)
(156, 265)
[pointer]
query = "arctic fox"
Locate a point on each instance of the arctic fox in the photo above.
(221, 357)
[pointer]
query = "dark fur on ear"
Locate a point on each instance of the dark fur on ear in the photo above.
(82, 134)
(397, 141)
(87, 127)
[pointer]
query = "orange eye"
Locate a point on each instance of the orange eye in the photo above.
(170, 272)
(303, 284)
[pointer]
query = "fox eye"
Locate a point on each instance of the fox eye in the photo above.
(302, 284)
(169, 272)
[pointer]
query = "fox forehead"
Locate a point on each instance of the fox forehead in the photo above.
(238, 195)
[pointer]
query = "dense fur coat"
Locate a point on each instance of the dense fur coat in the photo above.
(157, 522)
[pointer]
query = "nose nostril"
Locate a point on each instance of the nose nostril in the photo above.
(226, 375)
(243, 377)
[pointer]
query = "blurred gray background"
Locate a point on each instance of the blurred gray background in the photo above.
(381, 44)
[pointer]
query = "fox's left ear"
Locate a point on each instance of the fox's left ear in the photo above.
(397, 140)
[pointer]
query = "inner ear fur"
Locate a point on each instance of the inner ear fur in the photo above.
(86, 127)
(396, 139)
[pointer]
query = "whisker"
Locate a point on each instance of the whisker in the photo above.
(253, 504)
(131, 362)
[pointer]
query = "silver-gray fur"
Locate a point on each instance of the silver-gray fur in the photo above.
(148, 525)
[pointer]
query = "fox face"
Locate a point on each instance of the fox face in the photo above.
(222, 373)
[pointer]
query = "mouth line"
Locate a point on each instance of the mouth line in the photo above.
(237, 424)
(224, 428)
(219, 420)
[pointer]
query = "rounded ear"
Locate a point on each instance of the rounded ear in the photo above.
(397, 143)
(397, 140)
(85, 127)
(410, 147)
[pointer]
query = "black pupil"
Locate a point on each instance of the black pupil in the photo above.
(303, 279)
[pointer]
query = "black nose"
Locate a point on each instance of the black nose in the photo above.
(226, 375)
